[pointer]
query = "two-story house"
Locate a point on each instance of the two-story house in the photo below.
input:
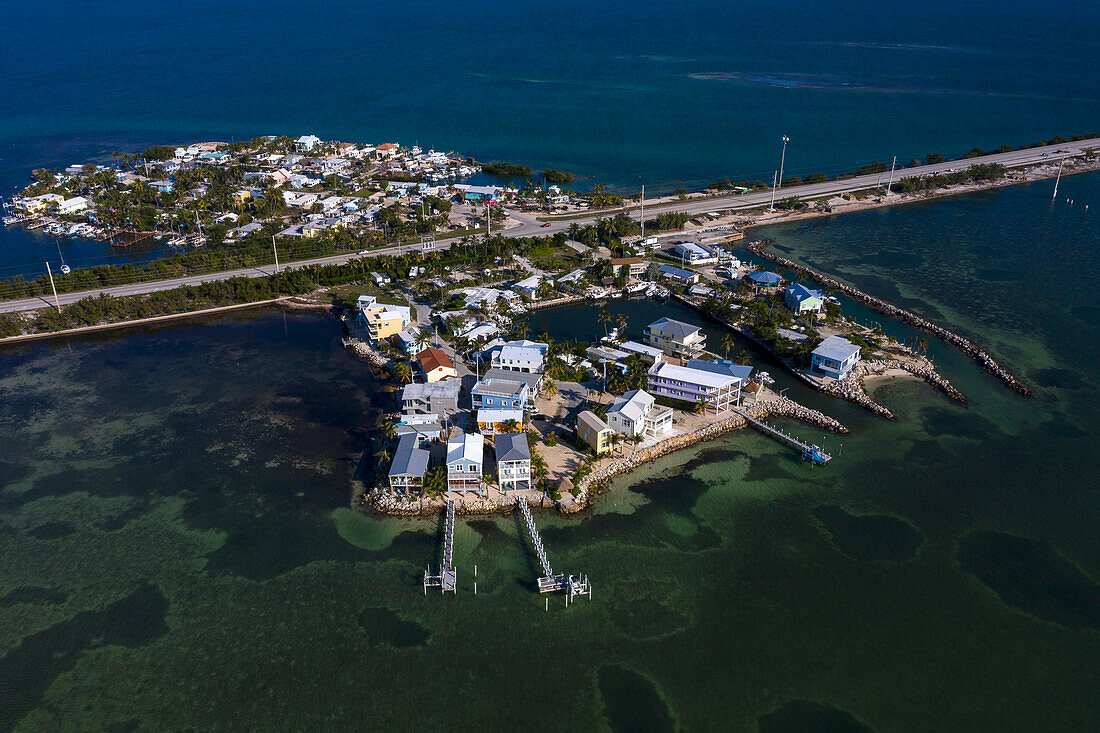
(435, 364)
(637, 413)
(465, 461)
(410, 463)
(594, 432)
(834, 357)
(682, 339)
(513, 461)
(436, 400)
(802, 299)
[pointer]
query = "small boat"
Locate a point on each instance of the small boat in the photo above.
(65, 269)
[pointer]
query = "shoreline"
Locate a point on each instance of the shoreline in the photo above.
(988, 363)
(379, 501)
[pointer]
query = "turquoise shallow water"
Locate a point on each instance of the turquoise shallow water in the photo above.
(176, 551)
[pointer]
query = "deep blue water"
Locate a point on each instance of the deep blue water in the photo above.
(665, 94)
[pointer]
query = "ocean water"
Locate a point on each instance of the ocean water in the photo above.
(176, 550)
(623, 93)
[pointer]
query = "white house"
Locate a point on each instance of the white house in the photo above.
(306, 143)
(834, 357)
(73, 205)
(637, 413)
(513, 461)
(717, 384)
(692, 253)
(528, 287)
(465, 459)
(520, 356)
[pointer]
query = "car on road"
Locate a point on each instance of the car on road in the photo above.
(546, 225)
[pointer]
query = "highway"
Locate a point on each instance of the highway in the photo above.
(532, 226)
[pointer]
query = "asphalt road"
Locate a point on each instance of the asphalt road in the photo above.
(533, 226)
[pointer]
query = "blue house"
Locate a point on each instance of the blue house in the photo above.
(834, 357)
(494, 393)
(162, 186)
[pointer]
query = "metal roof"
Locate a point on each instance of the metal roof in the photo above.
(466, 447)
(765, 277)
(675, 328)
(409, 460)
(836, 348)
(512, 447)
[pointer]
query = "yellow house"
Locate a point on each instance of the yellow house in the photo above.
(594, 432)
(239, 197)
(381, 320)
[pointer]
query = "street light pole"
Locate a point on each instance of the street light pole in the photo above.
(783, 158)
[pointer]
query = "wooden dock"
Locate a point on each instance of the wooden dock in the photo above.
(811, 453)
(575, 585)
(447, 579)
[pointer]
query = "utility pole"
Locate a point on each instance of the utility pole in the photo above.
(56, 302)
(891, 183)
(782, 159)
(775, 177)
(641, 216)
(276, 251)
(1059, 178)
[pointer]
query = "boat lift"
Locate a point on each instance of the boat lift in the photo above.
(575, 585)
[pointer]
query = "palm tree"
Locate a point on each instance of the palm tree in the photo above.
(509, 426)
(388, 429)
(403, 373)
(727, 344)
(549, 388)
(574, 230)
(621, 322)
(604, 318)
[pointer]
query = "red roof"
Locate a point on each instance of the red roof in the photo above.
(432, 358)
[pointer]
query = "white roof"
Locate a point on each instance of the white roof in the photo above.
(837, 348)
(530, 283)
(500, 415)
(691, 376)
(638, 348)
(633, 405)
(466, 447)
(520, 353)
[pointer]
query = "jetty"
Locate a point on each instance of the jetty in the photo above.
(812, 453)
(447, 579)
(575, 585)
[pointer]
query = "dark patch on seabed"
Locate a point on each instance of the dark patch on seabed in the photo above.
(869, 537)
(383, 626)
(52, 530)
(631, 702)
(1032, 577)
(801, 716)
(28, 670)
(34, 595)
(1057, 378)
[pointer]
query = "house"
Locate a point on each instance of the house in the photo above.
(306, 143)
(162, 186)
(244, 231)
(834, 357)
(594, 432)
(465, 460)
(573, 277)
(380, 278)
(649, 353)
(409, 341)
(716, 384)
(513, 461)
(802, 299)
(491, 422)
(628, 266)
(436, 365)
(695, 254)
(637, 413)
(381, 320)
(764, 279)
(497, 393)
(241, 195)
(409, 464)
(682, 339)
(682, 277)
(437, 399)
(73, 205)
(528, 287)
(299, 200)
(483, 331)
(520, 356)
(385, 150)
(701, 291)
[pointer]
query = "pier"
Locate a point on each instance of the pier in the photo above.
(447, 579)
(549, 583)
(812, 453)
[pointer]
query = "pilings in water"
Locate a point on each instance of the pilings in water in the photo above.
(575, 585)
(447, 579)
(812, 453)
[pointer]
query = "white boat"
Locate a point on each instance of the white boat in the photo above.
(637, 288)
(65, 269)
